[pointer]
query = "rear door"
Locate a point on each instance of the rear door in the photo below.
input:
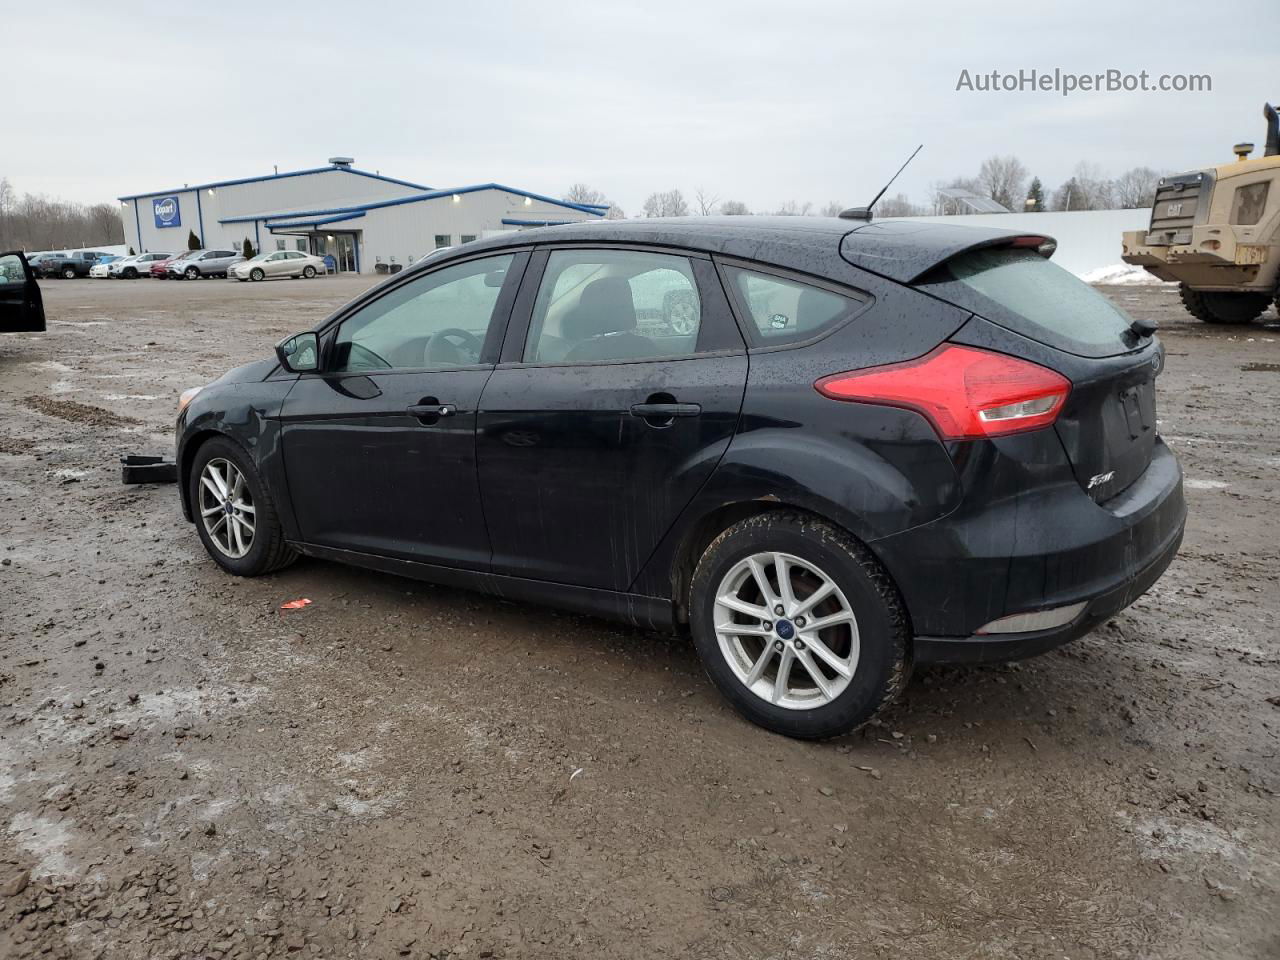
(619, 391)
(379, 447)
(21, 306)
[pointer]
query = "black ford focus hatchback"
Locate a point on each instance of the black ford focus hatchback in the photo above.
(827, 449)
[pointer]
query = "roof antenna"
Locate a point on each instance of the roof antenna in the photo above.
(864, 213)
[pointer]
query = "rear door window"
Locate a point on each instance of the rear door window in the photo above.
(1021, 290)
(601, 305)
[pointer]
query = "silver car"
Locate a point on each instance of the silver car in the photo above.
(204, 263)
(278, 263)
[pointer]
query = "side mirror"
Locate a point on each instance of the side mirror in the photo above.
(299, 353)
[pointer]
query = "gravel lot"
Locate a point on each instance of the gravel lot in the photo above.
(186, 770)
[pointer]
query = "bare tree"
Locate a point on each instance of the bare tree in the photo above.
(584, 195)
(1088, 189)
(793, 209)
(899, 205)
(1136, 188)
(734, 208)
(34, 222)
(705, 202)
(670, 203)
(1004, 180)
(832, 209)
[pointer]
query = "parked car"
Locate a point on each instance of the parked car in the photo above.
(871, 445)
(77, 263)
(203, 263)
(278, 263)
(21, 304)
(36, 259)
(160, 268)
(99, 270)
(130, 268)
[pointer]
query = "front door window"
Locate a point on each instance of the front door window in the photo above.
(432, 323)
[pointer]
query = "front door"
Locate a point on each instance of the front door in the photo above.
(609, 416)
(21, 306)
(379, 447)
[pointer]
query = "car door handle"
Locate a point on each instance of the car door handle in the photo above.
(665, 411)
(433, 411)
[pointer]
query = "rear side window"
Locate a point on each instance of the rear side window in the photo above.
(1019, 289)
(783, 310)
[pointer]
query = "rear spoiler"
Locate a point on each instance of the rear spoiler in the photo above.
(905, 250)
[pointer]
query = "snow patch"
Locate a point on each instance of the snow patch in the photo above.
(1191, 483)
(45, 839)
(1121, 274)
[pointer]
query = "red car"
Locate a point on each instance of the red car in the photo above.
(159, 269)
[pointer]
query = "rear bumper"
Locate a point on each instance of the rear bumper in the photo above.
(1017, 646)
(1035, 549)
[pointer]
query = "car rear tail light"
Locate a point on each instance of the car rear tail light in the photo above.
(963, 391)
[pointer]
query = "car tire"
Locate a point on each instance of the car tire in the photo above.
(129, 273)
(871, 645)
(68, 273)
(1210, 306)
(257, 274)
(308, 273)
(191, 273)
(267, 549)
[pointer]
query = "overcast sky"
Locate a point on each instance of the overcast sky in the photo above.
(762, 103)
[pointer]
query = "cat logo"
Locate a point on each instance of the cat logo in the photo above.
(1099, 479)
(1173, 210)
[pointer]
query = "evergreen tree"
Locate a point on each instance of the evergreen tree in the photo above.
(247, 251)
(193, 242)
(1035, 196)
(132, 253)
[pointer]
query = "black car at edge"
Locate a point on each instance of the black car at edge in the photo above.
(829, 450)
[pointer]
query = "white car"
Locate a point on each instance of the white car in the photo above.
(99, 271)
(278, 263)
(130, 268)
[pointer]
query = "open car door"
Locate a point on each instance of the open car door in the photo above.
(21, 307)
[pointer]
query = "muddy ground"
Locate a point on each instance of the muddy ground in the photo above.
(403, 770)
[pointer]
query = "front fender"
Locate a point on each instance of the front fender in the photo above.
(248, 414)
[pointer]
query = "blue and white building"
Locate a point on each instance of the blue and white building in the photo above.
(365, 221)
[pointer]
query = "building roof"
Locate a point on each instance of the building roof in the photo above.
(596, 210)
(276, 176)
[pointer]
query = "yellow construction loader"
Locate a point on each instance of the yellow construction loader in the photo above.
(1216, 232)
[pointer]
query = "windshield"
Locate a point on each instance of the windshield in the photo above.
(1019, 289)
(262, 256)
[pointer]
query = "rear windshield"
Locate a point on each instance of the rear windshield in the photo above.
(1020, 289)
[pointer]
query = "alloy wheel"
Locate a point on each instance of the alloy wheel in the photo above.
(684, 318)
(226, 508)
(786, 630)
